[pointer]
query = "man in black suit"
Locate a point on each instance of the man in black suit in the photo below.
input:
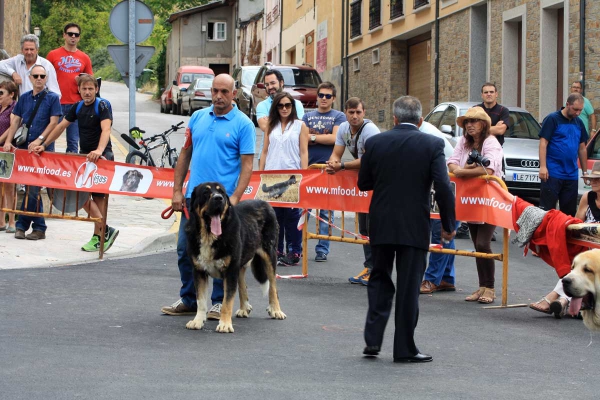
(399, 166)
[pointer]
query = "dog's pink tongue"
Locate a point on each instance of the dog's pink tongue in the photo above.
(575, 306)
(215, 226)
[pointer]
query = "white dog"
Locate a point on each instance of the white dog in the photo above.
(583, 285)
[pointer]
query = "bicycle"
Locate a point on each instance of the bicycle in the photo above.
(143, 156)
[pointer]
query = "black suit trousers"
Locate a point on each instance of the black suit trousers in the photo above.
(410, 267)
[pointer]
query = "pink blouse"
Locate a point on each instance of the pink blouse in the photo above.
(491, 149)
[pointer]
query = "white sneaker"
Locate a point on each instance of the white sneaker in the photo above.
(215, 312)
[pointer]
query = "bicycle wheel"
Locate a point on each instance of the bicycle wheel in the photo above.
(137, 158)
(173, 158)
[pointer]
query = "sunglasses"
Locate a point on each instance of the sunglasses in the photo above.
(287, 106)
(471, 121)
(323, 95)
(40, 76)
(73, 34)
(589, 181)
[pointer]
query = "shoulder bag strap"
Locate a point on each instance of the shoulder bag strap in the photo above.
(35, 109)
(355, 152)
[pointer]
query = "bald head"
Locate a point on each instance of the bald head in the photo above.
(224, 80)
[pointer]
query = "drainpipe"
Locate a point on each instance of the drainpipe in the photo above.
(343, 92)
(582, 44)
(346, 70)
(280, 29)
(437, 54)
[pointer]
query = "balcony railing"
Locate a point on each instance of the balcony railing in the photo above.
(374, 14)
(396, 9)
(420, 3)
(355, 19)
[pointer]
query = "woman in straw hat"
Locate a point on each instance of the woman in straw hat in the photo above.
(476, 136)
(557, 302)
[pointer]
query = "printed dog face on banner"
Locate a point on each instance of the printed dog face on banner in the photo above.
(131, 180)
(7, 161)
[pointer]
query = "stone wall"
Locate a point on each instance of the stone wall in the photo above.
(378, 85)
(454, 59)
(16, 24)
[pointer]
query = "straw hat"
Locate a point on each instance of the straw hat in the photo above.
(595, 171)
(474, 113)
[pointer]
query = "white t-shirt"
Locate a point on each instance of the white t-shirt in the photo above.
(344, 137)
(284, 147)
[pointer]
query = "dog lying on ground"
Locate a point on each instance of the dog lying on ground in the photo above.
(583, 285)
(278, 189)
(131, 181)
(223, 240)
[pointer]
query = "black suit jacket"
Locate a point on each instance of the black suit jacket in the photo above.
(399, 166)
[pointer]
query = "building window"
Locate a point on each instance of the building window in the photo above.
(396, 9)
(355, 64)
(355, 19)
(374, 14)
(375, 56)
(217, 31)
(421, 3)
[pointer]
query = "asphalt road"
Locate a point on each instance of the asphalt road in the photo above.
(94, 331)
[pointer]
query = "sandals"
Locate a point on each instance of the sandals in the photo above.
(475, 295)
(488, 296)
(548, 311)
(558, 308)
(3, 228)
(11, 229)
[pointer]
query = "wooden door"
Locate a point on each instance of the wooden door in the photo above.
(309, 43)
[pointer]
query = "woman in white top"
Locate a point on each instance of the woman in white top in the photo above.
(286, 147)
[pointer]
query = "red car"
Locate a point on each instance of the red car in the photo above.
(166, 101)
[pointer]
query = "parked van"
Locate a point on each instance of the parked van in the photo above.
(185, 75)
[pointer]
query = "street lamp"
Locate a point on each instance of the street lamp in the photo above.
(37, 31)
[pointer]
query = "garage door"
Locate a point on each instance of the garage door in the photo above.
(419, 73)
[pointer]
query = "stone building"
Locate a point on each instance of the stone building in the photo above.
(17, 14)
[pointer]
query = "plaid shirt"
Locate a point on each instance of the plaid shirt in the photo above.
(5, 117)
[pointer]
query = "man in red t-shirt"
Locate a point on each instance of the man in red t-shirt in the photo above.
(69, 62)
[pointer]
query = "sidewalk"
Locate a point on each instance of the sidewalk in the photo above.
(142, 231)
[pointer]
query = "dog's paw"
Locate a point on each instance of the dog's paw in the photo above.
(276, 314)
(225, 327)
(244, 312)
(194, 324)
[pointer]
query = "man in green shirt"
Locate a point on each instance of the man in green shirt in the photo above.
(587, 114)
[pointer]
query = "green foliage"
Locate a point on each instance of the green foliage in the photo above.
(52, 15)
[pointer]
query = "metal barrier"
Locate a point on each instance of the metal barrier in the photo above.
(306, 235)
(67, 197)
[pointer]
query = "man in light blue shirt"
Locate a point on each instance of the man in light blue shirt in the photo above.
(273, 84)
(220, 142)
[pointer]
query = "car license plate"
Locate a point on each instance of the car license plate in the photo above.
(526, 177)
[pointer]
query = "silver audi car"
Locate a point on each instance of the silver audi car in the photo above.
(521, 145)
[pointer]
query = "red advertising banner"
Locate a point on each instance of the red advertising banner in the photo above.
(476, 199)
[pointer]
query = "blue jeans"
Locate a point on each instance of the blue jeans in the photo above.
(72, 131)
(441, 266)
(288, 218)
(323, 245)
(186, 270)
(561, 190)
(25, 221)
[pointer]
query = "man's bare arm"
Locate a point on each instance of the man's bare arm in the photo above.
(245, 175)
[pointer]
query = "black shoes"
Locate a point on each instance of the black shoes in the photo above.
(419, 358)
(372, 350)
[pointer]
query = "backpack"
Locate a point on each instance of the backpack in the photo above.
(96, 105)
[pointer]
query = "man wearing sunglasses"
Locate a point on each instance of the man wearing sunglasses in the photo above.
(69, 62)
(46, 118)
(323, 125)
(19, 66)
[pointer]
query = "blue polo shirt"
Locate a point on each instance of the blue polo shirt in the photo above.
(50, 107)
(563, 136)
(218, 143)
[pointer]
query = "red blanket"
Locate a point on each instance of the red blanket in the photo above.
(550, 238)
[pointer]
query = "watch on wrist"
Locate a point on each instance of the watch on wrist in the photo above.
(343, 166)
(42, 138)
(313, 138)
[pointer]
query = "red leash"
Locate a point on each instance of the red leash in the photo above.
(166, 214)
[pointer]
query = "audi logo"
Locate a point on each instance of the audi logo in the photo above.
(530, 163)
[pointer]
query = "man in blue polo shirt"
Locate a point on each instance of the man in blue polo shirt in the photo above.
(562, 142)
(220, 142)
(46, 118)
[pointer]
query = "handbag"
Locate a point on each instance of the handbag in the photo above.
(21, 134)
